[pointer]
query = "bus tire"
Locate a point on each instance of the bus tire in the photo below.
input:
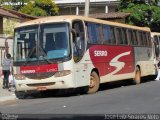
(137, 79)
(20, 94)
(94, 83)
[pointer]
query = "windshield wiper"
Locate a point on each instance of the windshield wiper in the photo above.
(28, 57)
(44, 55)
(37, 48)
(40, 51)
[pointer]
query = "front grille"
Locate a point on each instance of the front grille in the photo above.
(40, 84)
(38, 76)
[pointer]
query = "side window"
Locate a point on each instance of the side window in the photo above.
(141, 38)
(145, 39)
(109, 34)
(130, 37)
(119, 36)
(149, 39)
(124, 36)
(78, 40)
(135, 39)
(99, 33)
(106, 32)
(92, 32)
(112, 35)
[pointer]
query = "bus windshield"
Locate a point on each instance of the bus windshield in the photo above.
(41, 42)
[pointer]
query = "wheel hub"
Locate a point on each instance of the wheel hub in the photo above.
(92, 83)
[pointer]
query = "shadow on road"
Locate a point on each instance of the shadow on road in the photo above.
(123, 83)
(78, 91)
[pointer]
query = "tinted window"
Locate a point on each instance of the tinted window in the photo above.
(112, 35)
(149, 39)
(141, 38)
(145, 39)
(99, 33)
(119, 36)
(92, 34)
(106, 32)
(124, 36)
(78, 40)
(135, 40)
(130, 37)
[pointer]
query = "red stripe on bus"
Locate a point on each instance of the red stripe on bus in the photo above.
(112, 60)
(39, 68)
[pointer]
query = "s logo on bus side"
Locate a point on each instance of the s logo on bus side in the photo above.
(112, 60)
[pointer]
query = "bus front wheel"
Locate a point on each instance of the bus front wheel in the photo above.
(20, 94)
(137, 79)
(94, 83)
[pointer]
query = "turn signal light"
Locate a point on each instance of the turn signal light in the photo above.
(62, 73)
(19, 77)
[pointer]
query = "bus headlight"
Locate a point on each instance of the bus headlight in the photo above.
(62, 73)
(19, 77)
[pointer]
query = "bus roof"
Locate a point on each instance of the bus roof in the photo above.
(66, 18)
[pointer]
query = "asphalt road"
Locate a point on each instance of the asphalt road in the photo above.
(112, 98)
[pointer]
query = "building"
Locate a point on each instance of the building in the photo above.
(8, 19)
(100, 9)
(76, 7)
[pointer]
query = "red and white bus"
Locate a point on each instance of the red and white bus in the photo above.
(64, 52)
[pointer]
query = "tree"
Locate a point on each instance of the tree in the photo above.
(151, 2)
(142, 14)
(40, 8)
(155, 25)
(124, 4)
(155, 1)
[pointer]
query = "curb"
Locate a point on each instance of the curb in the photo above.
(6, 97)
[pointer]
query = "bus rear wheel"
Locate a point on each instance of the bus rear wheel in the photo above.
(94, 83)
(137, 79)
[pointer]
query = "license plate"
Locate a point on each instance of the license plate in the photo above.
(41, 88)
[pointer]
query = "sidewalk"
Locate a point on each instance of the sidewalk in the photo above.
(5, 94)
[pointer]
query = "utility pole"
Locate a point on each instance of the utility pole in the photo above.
(86, 12)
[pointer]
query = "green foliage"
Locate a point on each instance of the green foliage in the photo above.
(8, 7)
(38, 12)
(124, 4)
(142, 14)
(8, 26)
(40, 8)
(27, 9)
